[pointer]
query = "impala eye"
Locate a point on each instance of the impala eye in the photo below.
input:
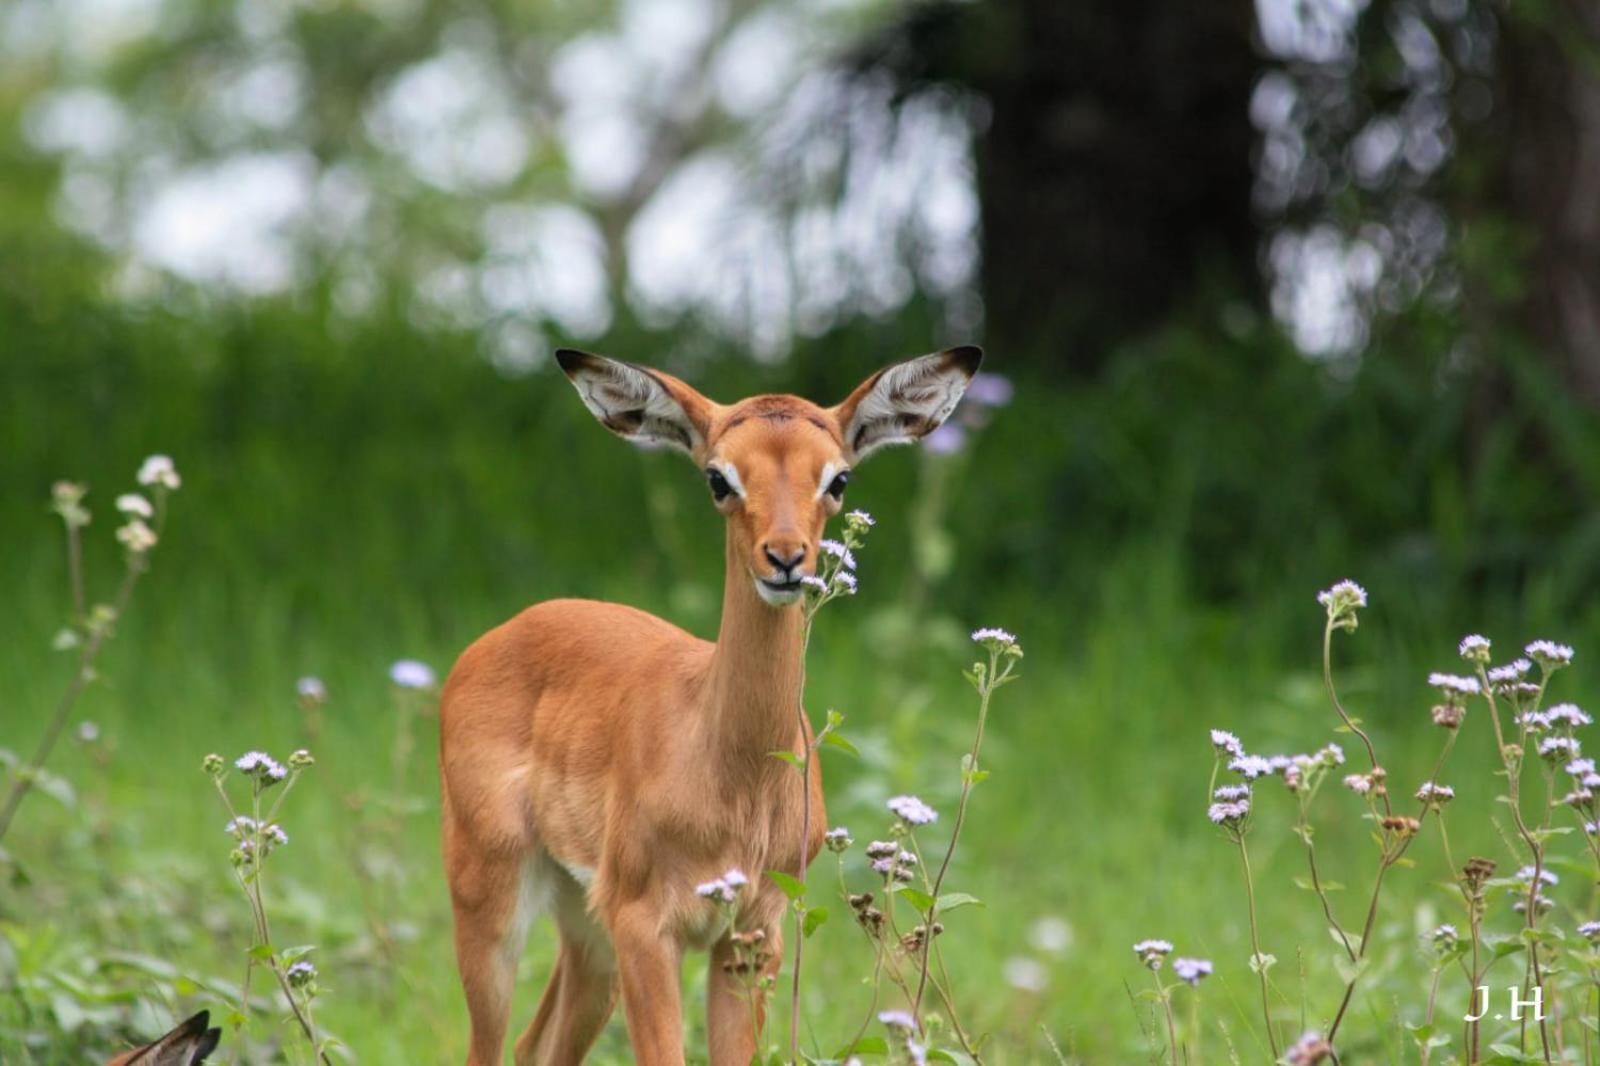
(720, 489)
(836, 486)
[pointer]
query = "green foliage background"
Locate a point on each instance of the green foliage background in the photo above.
(360, 489)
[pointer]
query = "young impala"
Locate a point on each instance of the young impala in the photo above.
(599, 763)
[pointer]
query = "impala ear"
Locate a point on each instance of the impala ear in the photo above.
(907, 401)
(643, 405)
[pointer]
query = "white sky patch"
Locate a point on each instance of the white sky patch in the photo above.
(1324, 284)
(81, 121)
(267, 94)
(546, 260)
(603, 137)
(1317, 30)
(228, 221)
(452, 123)
(664, 37)
(757, 63)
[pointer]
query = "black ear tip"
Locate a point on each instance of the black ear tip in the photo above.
(570, 359)
(968, 357)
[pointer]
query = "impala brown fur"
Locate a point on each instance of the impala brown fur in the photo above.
(598, 763)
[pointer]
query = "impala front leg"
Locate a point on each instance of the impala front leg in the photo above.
(733, 1021)
(649, 964)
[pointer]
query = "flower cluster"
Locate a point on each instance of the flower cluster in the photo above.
(1549, 654)
(1534, 880)
(1454, 687)
(1192, 970)
(159, 473)
(1309, 1050)
(1434, 795)
(260, 765)
(724, 889)
(891, 861)
(912, 811)
(1558, 749)
(1475, 648)
(836, 562)
(1341, 601)
(1152, 952)
(301, 975)
(312, 692)
(66, 500)
(1231, 806)
(1226, 743)
(837, 839)
(1510, 673)
(411, 673)
(993, 637)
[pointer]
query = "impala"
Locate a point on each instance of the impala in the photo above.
(187, 1045)
(598, 763)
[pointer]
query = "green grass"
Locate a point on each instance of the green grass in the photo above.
(1092, 816)
(342, 510)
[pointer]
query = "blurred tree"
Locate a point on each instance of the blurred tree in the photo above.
(1114, 160)
(1546, 145)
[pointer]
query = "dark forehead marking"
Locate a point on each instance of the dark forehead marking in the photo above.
(778, 409)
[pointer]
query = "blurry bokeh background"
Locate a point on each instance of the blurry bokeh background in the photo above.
(1275, 294)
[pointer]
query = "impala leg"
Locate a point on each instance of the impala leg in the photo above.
(492, 911)
(582, 991)
(648, 964)
(732, 1032)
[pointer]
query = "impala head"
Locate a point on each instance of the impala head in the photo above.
(776, 466)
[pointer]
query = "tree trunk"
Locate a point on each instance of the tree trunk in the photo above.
(1114, 169)
(1550, 85)
(1115, 173)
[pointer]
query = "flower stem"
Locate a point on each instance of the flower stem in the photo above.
(968, 778)
(1255, 947)
(23, 779)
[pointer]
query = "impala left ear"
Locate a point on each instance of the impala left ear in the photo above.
(638, 403)
(907, 401)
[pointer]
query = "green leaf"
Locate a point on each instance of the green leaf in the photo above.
(952, 900)
(1508, 947)
(295, 954)
(1353, 938)
(260, 951)
(814, 918)
(836, 741)
(917, 898)
(1301, 881)
(1349, 971)
(792, 886)
(796, 761)
(941, 1054)
(867, 1045)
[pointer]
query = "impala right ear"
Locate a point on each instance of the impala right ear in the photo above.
(907, 401)
(635, 402)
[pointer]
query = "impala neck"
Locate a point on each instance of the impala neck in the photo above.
(754, 681)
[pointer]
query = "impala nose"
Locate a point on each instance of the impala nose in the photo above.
(785, 555)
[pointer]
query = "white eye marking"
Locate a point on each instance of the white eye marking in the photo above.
(829, 472)
(730, 473)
